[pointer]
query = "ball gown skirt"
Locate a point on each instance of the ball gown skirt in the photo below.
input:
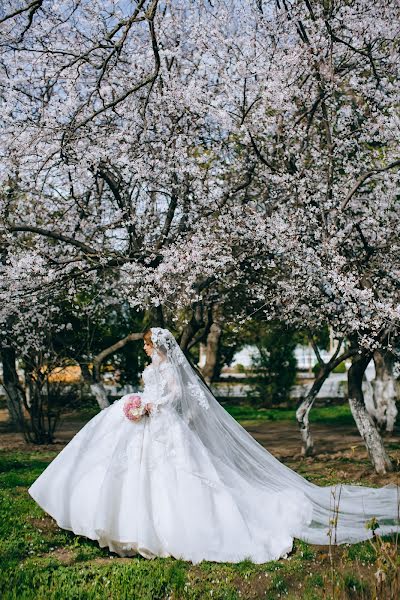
(151, 487)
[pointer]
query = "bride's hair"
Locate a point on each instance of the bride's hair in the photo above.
(147, 336)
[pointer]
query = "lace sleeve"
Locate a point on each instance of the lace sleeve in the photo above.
(169, 387)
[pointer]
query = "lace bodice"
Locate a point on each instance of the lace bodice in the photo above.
(160, 385)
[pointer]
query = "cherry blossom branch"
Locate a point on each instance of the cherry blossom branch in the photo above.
(55, 236)
(363, 178)
(30, 8)
(150, 78)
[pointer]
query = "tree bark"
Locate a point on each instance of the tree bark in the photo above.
(213, 342)
(12, 386)
(99, 392)
(96, 386)
(364, 422)
(381, 399)
(191, 328)
(303, 411)
(85, 371)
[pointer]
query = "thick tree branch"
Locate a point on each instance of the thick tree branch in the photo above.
(55, 236)
(97, 361)
(168, 221)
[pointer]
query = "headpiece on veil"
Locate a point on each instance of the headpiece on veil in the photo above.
(164, 341)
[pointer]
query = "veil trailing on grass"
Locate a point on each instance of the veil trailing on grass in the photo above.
(339, 514)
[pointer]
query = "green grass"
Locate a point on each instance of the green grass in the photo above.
(38, 578)
(39, 560)
(331, 415)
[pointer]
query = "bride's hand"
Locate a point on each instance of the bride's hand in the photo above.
(148, 407)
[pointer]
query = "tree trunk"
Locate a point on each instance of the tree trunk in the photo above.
(364, 422)
(96, 385)
(191, 328)
(12, 386)
(85, 371)
(213, 341)
(303, 412)
(99, 392)
(382, 399)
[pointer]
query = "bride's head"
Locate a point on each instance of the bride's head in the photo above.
(156, 354)
(148, 345)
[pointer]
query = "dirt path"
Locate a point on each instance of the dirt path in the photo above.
(283, 438)
(340, 453)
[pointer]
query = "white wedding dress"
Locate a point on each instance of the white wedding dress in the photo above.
(188, 481)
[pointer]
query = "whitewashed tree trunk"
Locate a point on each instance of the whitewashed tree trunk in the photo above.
(94, 379)
(99, 392)
(96, 388)
(383, 406)
(303, 411)
(364, 421)
(368, 394)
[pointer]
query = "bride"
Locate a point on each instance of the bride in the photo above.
(171, 473)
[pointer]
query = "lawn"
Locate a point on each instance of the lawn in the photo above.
(41, 561)
(336, 415)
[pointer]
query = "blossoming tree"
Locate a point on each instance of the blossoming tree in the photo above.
(168, 154)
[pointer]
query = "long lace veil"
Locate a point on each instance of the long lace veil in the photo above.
(341, 511)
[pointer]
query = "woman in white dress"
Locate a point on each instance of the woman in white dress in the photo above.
(178, 476)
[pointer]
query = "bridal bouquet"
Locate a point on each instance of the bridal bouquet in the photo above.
(133, 408)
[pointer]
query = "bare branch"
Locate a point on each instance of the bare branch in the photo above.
(31, 9)
(316, 350)
(260, 156)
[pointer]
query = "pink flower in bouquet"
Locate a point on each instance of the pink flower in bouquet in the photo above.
(133, 408)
